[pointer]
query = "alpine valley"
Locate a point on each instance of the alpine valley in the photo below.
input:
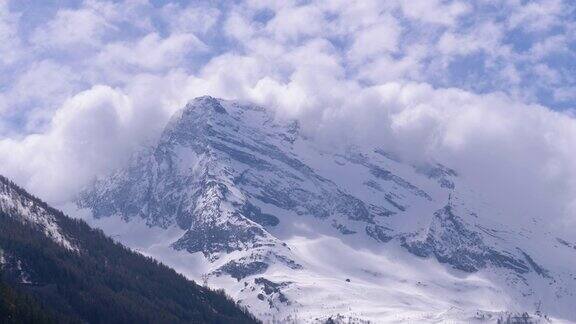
(298, 231)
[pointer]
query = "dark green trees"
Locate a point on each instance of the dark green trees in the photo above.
(103, 282)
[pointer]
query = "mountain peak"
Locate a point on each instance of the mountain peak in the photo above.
(195, 118)
(206, 102)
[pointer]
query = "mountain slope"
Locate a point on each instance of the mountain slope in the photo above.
(76, 274)
(295, 228)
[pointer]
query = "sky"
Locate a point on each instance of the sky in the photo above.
(487, 87)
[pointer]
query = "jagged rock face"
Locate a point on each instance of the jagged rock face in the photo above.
(211, 169)
(236, 180)
(182, 181)
(450, 241)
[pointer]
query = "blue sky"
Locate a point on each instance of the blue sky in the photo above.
(488, 87)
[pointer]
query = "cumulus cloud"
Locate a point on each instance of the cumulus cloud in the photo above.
(89, 135)
(538, 16)
(193, 19)
(425, 79)
(39, 91)
(509, 150)
(72, 28)
(151, 52)
(376, 40)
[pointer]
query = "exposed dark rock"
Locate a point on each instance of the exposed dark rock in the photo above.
(451, 242)
(273, 290)
(386, 175)
(440, 173)
(535, 266)
(379, 233)
(255, 214)
(241, 270)
(342, 229)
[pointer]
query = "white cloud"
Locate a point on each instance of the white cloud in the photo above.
(89, 135)
(82, 27)
(549, 45)
(486, 37)
(386, 68)
(376, 40)
(361, 72)
(40, 89)
(537, 16)
(238, 27)
(91, 25)
(9, 40)
(191, 19)
(293, 23)
(564, 94)
(151, 52)
(351, 16)
(434, 11)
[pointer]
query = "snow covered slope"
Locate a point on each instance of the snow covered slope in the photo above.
(299, 231)
(29, 210)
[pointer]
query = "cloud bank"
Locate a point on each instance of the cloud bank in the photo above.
(486, 87)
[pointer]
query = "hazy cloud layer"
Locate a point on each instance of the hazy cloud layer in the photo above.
(486, 87)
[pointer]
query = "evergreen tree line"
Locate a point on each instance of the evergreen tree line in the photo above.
(103, 282)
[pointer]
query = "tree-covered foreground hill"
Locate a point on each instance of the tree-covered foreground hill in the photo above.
(55, 269)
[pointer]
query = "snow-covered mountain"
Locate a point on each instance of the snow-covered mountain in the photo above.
(296, 230)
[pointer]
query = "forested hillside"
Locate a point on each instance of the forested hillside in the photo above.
(96, 281)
